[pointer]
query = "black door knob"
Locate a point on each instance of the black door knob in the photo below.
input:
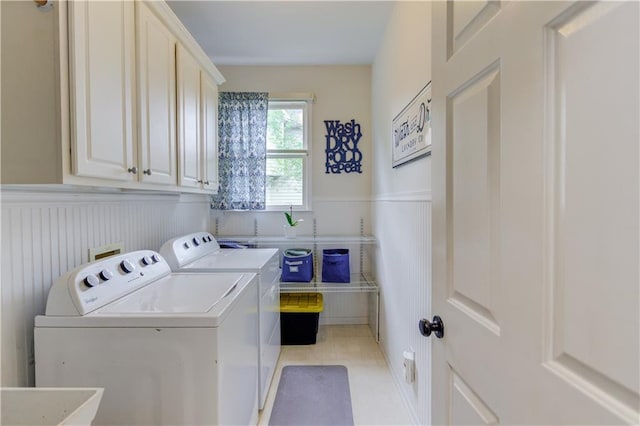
(436, 327)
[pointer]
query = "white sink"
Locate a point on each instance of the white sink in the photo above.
(49, 406)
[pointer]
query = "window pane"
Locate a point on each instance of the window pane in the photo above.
(284, 128)
(285, 181)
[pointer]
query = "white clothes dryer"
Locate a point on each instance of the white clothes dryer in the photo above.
(168, 348)
(200, 252)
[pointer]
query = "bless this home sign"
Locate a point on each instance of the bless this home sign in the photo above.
(412, 129)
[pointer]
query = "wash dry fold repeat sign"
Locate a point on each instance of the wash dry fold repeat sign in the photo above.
(343, 155)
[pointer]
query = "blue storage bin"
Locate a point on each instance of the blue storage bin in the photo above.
(335, 266)
(297, 265)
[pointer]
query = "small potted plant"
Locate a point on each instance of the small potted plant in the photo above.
(290, 227)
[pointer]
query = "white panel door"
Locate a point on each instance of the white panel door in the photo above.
(209, 133)
(189, 151)
(102, 76)
(157, 99)
(536, 210)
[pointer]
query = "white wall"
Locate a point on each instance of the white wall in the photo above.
(44, 234)
(402, 202)
(339, 201)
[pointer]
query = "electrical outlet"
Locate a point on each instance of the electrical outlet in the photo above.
(409, 366)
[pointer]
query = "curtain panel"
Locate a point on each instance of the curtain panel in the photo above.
(242, 152)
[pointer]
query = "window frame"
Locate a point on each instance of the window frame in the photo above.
(304, 153)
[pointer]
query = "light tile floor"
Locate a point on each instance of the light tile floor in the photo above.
(374, 395)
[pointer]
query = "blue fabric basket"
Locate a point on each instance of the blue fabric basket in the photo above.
(297, 265)
(335, 266)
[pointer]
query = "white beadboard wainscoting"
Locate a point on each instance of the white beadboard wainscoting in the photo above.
(327, 217)
(45, 233)
(345, 309)
(402, 225)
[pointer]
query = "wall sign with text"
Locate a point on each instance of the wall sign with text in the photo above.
(412, 129)
(343, 155)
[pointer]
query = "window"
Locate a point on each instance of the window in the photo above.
(288, 155)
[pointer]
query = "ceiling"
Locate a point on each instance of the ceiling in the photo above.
(286, 32)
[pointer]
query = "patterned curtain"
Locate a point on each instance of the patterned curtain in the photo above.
(242, 125)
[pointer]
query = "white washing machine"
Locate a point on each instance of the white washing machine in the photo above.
(200, 252)
(169, 348)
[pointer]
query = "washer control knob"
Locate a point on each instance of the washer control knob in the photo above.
(204, 239)
(106, 274)
(196, 241)
(155, 258)
(127, 266)
(186, 245)
(91, 280)
(146, 261)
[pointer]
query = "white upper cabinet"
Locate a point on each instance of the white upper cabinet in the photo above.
(156, 99)
(189, 144)
(197, 125)
(106, 94)
(101, 77)
(209, 118)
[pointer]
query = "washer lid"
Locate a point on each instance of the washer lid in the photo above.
(233, 260)
(178, 294)
(179, 300)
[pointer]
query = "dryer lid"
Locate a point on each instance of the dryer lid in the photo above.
(234, 260)
(178, 294)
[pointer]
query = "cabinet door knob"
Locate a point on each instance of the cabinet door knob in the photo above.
(133, 170)
(200, 181)
(207, 182)
(147, 172)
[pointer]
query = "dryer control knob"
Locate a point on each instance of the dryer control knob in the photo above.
(186, 245)
(127, 266)
(106, 274)
(196, 241)
(146, 261)
(91, 280)
(155, 258)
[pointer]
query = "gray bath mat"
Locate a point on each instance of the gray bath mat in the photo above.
(312, 395)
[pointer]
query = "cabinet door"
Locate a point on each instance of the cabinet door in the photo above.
(157, 99)
(101, 66)
(209, 133)
(189, 161)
